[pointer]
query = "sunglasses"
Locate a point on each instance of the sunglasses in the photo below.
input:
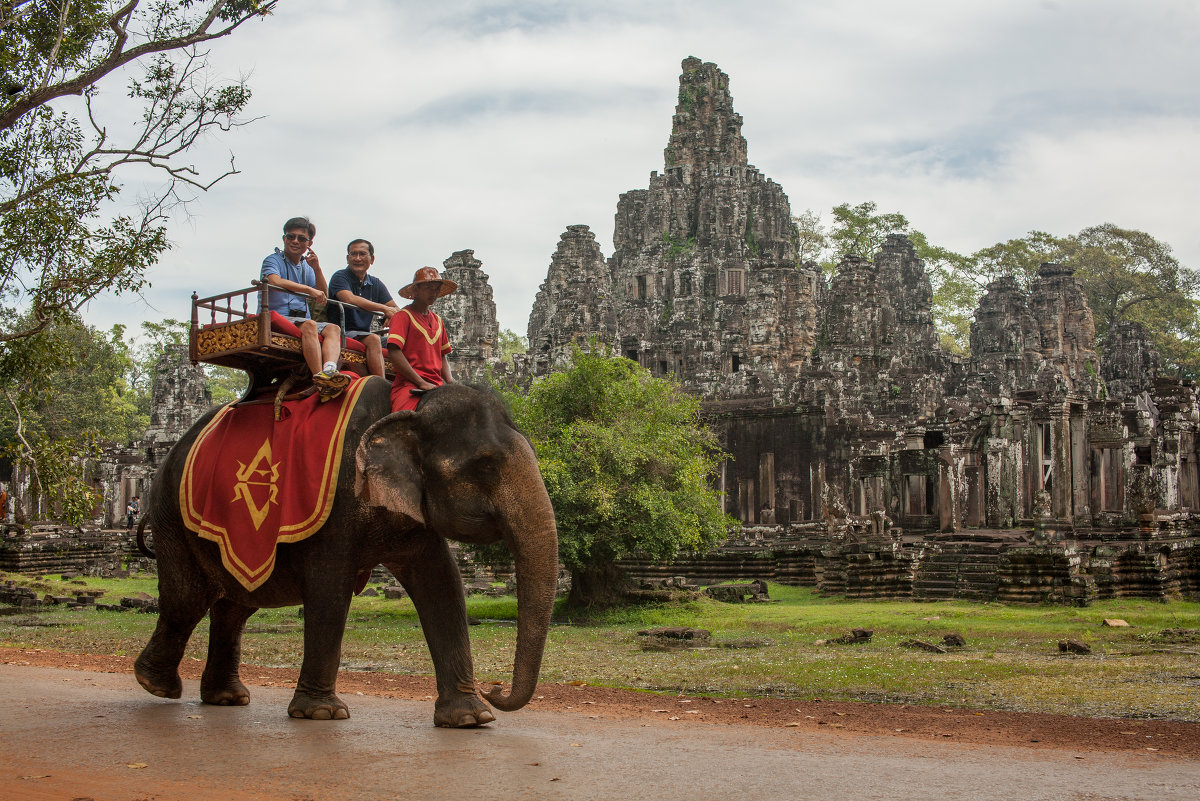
(295, 237)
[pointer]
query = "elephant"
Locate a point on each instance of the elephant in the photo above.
(455, 468)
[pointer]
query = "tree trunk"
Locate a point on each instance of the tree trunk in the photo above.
(596, 587)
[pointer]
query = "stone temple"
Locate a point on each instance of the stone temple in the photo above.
(865, 459)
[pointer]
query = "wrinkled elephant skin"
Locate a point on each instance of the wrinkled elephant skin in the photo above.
(456, 468)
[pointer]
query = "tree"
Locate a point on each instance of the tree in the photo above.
(53, 421)
(1020, 258)
(627, 462)
(512, 343)
(1129, 275)
(811, 241)
(955, 296)
(859, 231)
(63, 238)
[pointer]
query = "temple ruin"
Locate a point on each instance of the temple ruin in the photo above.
(864, 460)
(867, 460)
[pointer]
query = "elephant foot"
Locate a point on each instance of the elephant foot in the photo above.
(162, 683)
(231, 694)
(462, 711)
(318, 707)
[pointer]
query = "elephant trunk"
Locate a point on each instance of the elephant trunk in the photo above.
(533, 541)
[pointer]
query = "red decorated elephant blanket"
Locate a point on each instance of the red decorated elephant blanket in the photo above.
(250, 481)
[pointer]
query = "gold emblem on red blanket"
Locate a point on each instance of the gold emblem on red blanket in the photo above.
(258, 480)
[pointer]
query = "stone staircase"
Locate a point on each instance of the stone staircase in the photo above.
(962, 564)
(786, 565)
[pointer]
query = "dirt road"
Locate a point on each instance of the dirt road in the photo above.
(72, 734)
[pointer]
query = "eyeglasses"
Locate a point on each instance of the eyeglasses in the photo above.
(295, 237)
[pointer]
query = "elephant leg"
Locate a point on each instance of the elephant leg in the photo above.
(326, 604)
(431, 578)
(221, 684)
(183, 600)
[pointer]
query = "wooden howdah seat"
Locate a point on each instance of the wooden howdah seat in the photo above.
(237, 329)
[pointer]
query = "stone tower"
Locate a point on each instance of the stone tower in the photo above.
(1131, 362)
(703, 284)
(879, 350)
(178, 398)
(1043, 341)
(470, 317)
(574, 304)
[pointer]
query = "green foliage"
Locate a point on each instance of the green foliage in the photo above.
(157, 338)
(1019, 258)
(52, 420)
(955, 296)
(686, 101)
(512, 343)
(678, 246)
(225, 384)
(626, 460)
(859, 231)
(1126, 274)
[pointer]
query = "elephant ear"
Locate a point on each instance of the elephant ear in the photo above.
(387, 466)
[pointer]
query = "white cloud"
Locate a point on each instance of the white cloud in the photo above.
(435, 127)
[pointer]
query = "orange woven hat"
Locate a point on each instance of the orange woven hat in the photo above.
(427, 275)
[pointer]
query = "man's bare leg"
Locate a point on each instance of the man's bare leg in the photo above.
(374, 354)
(331, 344)
(310, 346)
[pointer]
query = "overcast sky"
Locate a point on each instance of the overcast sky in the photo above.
(431, 127)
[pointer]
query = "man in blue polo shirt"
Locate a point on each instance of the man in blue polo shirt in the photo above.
(364, 296)
(297, 272)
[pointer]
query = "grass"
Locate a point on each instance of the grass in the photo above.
(1011, 660)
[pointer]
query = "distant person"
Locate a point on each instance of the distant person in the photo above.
(364, 296)
(297, 269)
(130, 512)
(417, 342)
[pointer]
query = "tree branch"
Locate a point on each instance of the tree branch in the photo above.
(118, 57)
(28, 452)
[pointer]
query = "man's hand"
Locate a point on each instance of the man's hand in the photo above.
(317, 295)
(313, 261)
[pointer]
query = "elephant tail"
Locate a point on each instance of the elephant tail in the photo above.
(141, 539)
